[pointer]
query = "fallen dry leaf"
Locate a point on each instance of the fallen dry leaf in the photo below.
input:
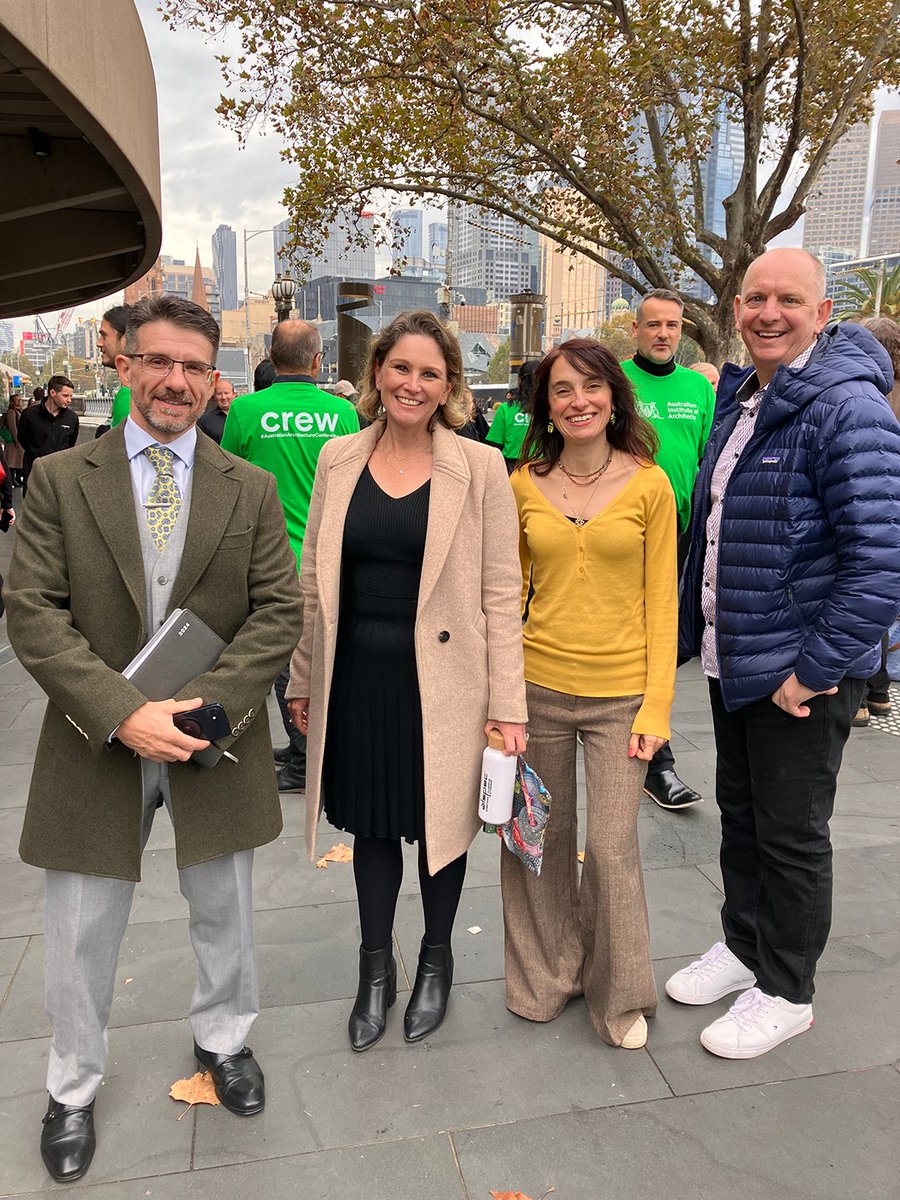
(581, 856)
(338, 853)
(130, 979)
(199, 1089)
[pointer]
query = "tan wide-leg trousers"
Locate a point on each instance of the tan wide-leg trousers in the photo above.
(563, 940)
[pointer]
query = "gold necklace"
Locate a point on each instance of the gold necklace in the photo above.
(579, 518)
(590, 477)
(391, 453)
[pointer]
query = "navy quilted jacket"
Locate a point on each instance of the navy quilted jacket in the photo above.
(809, 556)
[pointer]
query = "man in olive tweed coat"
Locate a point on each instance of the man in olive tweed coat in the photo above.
(91, 578)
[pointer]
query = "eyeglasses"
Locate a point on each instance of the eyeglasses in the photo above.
(161, 365)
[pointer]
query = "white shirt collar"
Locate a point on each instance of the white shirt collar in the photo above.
(137, 440)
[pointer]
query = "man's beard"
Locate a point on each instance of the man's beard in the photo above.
(167, 424)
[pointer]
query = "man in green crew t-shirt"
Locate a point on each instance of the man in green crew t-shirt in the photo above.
(111, 341)
(283, 429)
(679, 404)
(511, 419)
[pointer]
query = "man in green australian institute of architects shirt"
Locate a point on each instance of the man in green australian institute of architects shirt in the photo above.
(679, 404)
(111, 341)
(283, 429)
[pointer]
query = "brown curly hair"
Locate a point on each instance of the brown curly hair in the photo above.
(629, 432)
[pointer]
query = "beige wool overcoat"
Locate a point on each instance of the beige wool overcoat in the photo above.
(468, 633)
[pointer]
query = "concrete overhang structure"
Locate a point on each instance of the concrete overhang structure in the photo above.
(80, 209)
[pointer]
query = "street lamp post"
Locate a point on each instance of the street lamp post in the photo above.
(249, 235)
(283, 291)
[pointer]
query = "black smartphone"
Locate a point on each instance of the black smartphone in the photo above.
(208, 721)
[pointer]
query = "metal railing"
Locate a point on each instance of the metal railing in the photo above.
(99, 407)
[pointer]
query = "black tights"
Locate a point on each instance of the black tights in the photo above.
(378, 870)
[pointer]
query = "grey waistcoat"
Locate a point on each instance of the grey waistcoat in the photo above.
(161, 569)
(160, 572)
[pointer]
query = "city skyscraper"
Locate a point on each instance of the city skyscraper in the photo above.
(7, 337)
(224, 252)
(884, 224)
(437, 242)
(720, 172)
(337, 258)
(575, 287)
(491, 251)
(407, 226)
(722, 168)
(837, 200)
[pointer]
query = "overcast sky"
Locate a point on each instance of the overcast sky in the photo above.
(207, 179)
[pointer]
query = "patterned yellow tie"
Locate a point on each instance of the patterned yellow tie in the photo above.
(164, 501)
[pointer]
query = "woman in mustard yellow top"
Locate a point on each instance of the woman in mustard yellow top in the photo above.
(597, 544)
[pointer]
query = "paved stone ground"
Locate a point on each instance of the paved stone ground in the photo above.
(489, 1102)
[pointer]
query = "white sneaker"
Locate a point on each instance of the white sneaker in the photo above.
(755, 1024)
(710, 978)
(636, 1037)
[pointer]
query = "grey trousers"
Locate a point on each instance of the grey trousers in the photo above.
(85, 920)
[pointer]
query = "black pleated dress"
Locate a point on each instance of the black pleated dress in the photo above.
(373, 770)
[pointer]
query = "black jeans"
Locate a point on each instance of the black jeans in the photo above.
(879, 685)
(776, 777)
(297, 739)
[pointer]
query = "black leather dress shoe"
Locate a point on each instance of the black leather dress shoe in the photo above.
(291, 778)
(668, 791)
(376, 993)
(238, 1080)
(282, 755)
(428, 1003)
(68, 1140)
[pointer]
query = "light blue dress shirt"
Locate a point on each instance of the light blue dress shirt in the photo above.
(143, 473)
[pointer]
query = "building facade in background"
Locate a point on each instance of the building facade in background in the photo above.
(837, 201)
(407, 228)
(720, 173)
(82, 341)
(884, 223)
(721, 170)
(437, 243)
(491, 251)
(7, 337)
(573, 284)
(176, 276)
(224, 252)
(393, 294)
(339, 256)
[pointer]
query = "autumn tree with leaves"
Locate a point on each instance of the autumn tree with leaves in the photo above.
(586, 120)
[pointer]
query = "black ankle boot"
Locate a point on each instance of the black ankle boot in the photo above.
(431, 991)
(377, 992)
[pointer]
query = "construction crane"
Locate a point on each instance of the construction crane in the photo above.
(65, 318)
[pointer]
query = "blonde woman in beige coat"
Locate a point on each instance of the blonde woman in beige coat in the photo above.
(411, 650)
